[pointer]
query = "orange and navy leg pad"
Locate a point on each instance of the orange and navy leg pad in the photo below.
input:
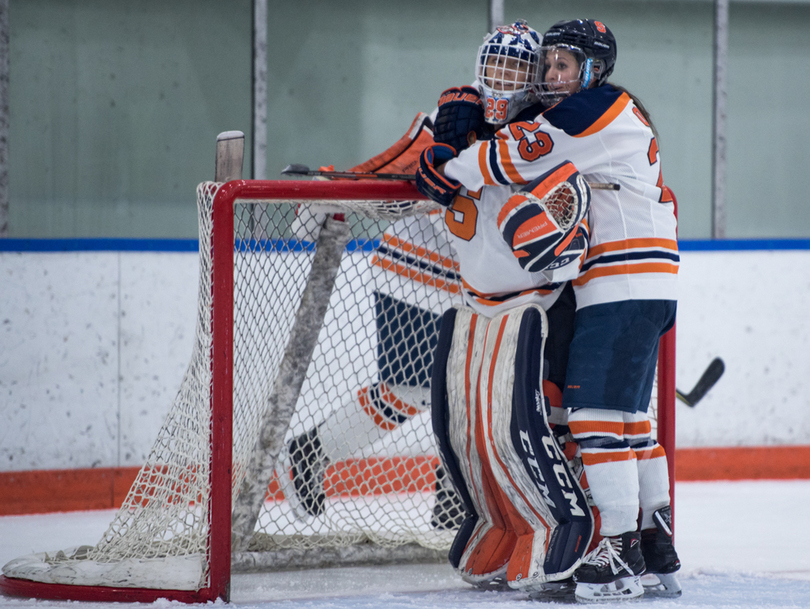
(440, 418)
(492, 429)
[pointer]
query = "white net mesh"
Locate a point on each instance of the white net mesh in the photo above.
(358, 469)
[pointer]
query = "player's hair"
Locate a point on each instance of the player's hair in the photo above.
(644, 112)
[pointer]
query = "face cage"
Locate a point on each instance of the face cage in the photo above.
(506, 88)
(589, 70)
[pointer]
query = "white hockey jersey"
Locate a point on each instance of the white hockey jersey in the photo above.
(415, 264)
(633, 253)
(492, 277)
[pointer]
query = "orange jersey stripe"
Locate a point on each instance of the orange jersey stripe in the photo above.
(608, 116)
(489, 299)
(629, 244)
(626, 269)
(415, 275)
(482, 164)
(422, 252)
(506, 161)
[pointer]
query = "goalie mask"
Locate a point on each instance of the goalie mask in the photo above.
(507, 71)
(575, 55)
(540, 222)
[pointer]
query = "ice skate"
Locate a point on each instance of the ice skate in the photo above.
(612, 571)
(561, 591)
(300, 471)
(660, 557)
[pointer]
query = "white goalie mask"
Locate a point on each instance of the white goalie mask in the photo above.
(507, 70)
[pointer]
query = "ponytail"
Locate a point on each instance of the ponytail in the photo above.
(641, 109)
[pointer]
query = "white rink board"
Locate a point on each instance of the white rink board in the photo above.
(93, 346)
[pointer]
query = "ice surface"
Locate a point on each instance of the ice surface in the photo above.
(742, 544)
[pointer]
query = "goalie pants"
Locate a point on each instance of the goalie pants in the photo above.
(611, 370)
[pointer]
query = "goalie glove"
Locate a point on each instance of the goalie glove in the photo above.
(429, 181)
(461, 113)
(540, 222)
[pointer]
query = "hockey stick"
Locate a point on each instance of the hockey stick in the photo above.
(230, 153)
(704, 384)
(296, 169)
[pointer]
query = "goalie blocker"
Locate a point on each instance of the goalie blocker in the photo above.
(528, 520)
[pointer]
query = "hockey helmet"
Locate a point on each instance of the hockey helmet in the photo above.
(592, 45)
(507, 70)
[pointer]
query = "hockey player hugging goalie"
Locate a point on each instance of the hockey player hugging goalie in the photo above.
(520, 220)
(518, 212)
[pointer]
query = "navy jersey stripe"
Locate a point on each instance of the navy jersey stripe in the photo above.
(493, 164)
(638, 255)
(420, 263)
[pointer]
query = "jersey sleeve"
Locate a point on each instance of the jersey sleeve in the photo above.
(612, 145)
(519, 153)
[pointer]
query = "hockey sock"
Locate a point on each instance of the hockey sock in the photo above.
(653, 476)
(610, 466)
(372, 413)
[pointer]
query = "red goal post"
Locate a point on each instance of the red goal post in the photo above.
(196, 485)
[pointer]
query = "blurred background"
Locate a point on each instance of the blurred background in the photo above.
(113, 108)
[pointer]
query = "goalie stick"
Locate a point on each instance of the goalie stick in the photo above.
(707, 380)
(229, 156)
(297, 169)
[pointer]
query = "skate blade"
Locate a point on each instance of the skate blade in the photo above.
(625, 588)
(661, 585)
(554, 592)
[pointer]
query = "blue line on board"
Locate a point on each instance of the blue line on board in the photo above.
(191, 245)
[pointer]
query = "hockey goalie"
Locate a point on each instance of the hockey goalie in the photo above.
(496, 399)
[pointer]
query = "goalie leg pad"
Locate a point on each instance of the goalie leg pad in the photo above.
(548, 507)
(496, 432)
(484, 542)
(542, 455)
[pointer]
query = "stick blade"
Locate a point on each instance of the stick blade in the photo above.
(705, 383)
(295, 169)
(230, 154)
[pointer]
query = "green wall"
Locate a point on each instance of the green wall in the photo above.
(115, 107)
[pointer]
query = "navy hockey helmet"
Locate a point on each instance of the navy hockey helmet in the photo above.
(591, 42)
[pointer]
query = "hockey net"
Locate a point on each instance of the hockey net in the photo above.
(288, 334)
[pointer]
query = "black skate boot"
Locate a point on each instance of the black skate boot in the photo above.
(612, 571)
(660, 557)
(301, 473)
(448, 512)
